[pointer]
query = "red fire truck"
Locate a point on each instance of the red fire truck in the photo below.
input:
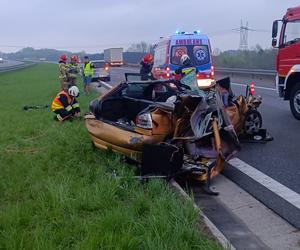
(288, 58)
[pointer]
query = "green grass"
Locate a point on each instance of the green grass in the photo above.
(56, 192)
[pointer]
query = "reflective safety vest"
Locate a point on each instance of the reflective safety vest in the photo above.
(56, 104)
(73, 70)
(187, 70)
(88, 70)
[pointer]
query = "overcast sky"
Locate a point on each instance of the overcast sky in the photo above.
(93, 25)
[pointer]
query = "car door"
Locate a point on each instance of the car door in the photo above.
(289, 54)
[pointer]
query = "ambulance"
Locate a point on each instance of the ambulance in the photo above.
(168, 51)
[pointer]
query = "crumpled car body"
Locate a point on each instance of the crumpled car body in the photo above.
(112, 122)
(128, 140)
(244, 114)
(137, 113)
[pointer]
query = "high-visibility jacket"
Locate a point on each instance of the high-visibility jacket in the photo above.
(88, 70)
(184, 70)
(63, 71)
(187, 70)
(73, 70)
(64, 101)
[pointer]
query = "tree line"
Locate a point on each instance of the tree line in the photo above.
(256, 58)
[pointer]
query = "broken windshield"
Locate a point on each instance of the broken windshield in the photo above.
(190, 80)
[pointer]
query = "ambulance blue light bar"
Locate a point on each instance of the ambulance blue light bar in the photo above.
(177, 32)
(196, 32)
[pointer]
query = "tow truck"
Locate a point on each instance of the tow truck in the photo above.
(288, 58)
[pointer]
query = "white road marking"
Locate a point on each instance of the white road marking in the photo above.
(257, 87)
(274, 186)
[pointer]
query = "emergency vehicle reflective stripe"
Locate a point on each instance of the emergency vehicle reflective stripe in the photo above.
(56, 104)
(75, 105)
(59, 118)
(88, 71)
(69, 108)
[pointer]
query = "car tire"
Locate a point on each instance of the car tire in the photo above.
(108, 79)
(253, 122)
(295, 101)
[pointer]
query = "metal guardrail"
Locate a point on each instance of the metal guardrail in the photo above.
(261, 72)
(15, 67)
(240, 71)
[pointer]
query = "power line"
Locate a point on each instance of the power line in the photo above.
(221, 32)
(235, 30)
(64, 47)
(243, 30)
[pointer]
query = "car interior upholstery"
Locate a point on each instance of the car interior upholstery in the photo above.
(131, 101)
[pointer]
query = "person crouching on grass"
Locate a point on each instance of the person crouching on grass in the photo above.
(65, 105)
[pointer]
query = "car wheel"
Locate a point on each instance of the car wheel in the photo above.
(253, 122)
(108, 79)
(295, 101)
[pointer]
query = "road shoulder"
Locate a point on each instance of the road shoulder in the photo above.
(268, 227)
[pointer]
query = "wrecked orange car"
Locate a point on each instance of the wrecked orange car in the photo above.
(167, 126)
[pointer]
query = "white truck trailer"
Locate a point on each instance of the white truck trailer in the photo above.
(114, 56)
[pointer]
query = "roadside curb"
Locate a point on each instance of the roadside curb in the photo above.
(212, 227)
(281, 199)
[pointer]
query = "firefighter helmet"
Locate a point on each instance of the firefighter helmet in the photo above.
(73, 91)
(63, 58)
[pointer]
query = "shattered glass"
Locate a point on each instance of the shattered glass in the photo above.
(190, 80)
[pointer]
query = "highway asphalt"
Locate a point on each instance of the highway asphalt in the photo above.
(10, 63)
(279, 159)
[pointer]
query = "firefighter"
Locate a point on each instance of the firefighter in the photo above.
(146, 67)
(87, 74)
(65, 105)
(185, 68)
(63, 72)
(73, 70)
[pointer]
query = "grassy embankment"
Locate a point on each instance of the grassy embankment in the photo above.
(57, 193)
